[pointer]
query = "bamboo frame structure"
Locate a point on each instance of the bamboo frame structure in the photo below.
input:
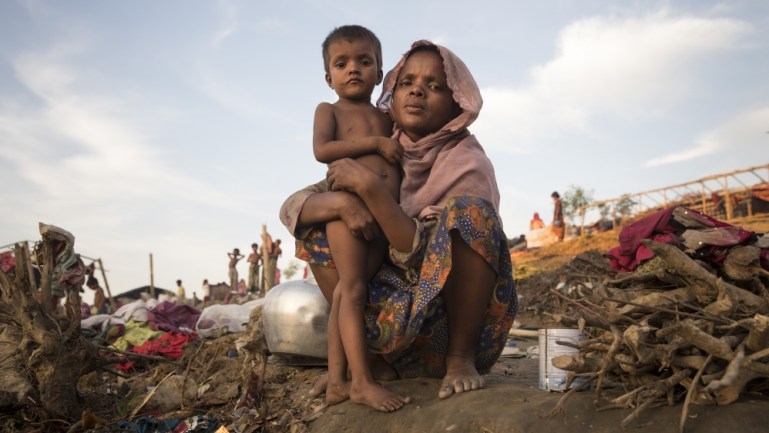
(698, 198)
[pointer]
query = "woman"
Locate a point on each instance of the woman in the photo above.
(445, 303)
(536, 222)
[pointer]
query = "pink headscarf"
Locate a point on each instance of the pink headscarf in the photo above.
(449, 162)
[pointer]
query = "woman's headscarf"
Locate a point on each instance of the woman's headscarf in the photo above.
(449, 162)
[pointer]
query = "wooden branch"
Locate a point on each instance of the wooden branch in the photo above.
(758, 336)
(727, 389)
(578, 363)
(690, 392)
(698, 338)
(703, 283)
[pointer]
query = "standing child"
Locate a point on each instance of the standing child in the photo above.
(99, 301)
(254, 260)
(235, 257)
(352, 127)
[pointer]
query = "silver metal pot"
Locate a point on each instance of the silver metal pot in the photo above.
(295, 317)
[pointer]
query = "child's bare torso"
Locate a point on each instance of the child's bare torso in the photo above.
(358, 121)
(355, 121)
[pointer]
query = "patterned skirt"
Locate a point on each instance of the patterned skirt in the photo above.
(406, 317)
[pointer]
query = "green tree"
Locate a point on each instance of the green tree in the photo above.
(624, 207)
(291, 270)
(573, 200)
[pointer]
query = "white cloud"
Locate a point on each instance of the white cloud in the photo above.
(746, 131)
(81, 144)
(624, 67)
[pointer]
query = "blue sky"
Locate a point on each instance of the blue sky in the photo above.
(177, 128)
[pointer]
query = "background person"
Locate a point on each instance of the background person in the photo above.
(254, 261)
(558, 225)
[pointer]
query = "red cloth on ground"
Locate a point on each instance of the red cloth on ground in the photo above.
(711, 236)
(170, 344)
(630, 253)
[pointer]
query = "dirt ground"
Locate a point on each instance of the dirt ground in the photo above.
(511, 401)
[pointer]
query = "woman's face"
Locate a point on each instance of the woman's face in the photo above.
(422, 101)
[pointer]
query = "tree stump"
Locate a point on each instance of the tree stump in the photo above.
(42, 354)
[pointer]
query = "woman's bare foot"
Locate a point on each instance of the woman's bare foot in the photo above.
(461, 376)
(377, 397)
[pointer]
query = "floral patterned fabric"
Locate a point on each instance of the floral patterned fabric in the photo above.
(406, 316)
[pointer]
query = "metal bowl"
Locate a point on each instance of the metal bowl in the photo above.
(295, 317)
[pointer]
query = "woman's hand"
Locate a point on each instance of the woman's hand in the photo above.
(349, 175)
(358, 219)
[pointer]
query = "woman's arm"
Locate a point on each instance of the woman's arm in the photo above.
(329, 206)
(350, 175)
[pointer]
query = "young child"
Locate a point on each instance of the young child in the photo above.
(235, 257)
(254, 260)
(99, 301)
(352, 127)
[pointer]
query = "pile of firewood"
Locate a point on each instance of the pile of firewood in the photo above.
(678, 329)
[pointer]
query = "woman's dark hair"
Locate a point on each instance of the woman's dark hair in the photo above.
(555, 194)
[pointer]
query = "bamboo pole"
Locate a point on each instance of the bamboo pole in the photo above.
(266, 249)
(727, 200)
(106, 285)
(152, 278)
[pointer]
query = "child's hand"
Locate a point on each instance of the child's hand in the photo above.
(391, 150)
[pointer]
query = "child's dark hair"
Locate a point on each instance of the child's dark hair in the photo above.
(352, 33)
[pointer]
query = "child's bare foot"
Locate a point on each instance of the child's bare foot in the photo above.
(377, 397)
(319, 387)
(380, 370)
(461, 376)
(334, 393)
(337, 392)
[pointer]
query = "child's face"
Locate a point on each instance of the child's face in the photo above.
(422, 101)
(353, 69)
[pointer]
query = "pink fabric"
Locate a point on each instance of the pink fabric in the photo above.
(449, 162)
(167, 316)
(7, 262)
